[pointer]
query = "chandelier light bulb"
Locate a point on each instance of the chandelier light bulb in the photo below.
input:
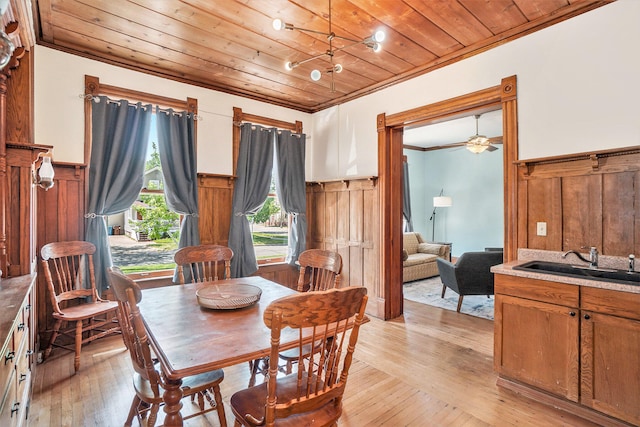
(337, 68)
(379, 36)
(278, 24)
(289, 66)
(315, 75)
(377, 47)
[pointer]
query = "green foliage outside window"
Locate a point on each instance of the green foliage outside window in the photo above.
(270, 207)
(157, 220)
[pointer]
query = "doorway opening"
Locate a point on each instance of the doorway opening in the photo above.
(390, 149)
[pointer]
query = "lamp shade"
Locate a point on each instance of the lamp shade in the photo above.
(442, 202)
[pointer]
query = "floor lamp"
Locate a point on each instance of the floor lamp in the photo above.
(439, 201)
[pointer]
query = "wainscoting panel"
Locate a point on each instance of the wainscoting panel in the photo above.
(586, 199)
(345, 218)
(215, 195)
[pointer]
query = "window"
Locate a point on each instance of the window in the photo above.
(147, 233)
(270, 229)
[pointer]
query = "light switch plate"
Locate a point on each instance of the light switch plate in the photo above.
(541, 228)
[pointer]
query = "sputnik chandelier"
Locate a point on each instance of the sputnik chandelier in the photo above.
(372, 42)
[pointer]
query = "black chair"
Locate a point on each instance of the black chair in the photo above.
(470, 275)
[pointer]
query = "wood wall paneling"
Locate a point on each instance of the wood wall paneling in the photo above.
(543, 205)
(618, 213)
(344, 218)
(589, 199)
(581, 212)
(215, 194)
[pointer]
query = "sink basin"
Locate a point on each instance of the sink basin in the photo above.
(582, 272)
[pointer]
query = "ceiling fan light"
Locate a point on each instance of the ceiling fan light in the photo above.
(478, 140)
(315, 75)
(476, 148)
(379, 36)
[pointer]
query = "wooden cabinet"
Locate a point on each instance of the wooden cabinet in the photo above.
(17, 330)
(580, 344)
(610, 353)
(537, 334)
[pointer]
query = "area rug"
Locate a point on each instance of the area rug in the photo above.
(428, 291)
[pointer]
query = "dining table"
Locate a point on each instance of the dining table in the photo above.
(189, 338)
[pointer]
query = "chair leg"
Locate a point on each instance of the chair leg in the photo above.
(257, 369)
(444, 288)
(459, 303)
(132, 411)
(153, 415)
(219, 406)
(54, 336)
(76, 360)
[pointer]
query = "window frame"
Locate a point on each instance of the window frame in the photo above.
(93, 88)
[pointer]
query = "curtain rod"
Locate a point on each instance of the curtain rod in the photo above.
(157, 109)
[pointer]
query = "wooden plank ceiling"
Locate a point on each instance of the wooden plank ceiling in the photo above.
(231, 46)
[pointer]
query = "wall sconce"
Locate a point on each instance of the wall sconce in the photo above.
(44, 176)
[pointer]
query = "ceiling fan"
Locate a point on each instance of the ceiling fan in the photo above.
(479, 143)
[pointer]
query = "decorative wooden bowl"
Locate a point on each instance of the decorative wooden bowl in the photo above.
(228, 296)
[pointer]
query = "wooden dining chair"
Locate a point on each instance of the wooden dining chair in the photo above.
(319, 270)
(147, 381)
(313, 395)
(70, 277)
(203, 263)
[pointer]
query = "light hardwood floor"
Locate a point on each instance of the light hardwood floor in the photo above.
(431, 367)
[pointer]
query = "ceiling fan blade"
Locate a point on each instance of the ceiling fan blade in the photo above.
(491, 148)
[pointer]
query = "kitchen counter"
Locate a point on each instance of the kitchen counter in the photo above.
(604, 261)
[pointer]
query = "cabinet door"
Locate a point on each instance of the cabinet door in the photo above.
(537, 343)
(610, 354)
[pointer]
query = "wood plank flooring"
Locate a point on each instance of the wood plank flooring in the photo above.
(430, 367)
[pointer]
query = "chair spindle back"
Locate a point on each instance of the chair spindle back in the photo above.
(203, 263)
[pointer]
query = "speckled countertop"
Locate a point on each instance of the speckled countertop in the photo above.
(604, 261)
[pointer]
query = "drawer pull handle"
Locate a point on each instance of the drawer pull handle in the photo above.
(22, 377)
(9, 356)
(572, 313)
(21, 326)
(15, 408)
(587, 317)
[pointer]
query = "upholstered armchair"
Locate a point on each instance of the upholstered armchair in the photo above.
(470, 275)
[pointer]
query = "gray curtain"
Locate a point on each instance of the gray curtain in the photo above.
(120, 132)
(177, 147)
(290, 186)
(406, 197)
(255, 164)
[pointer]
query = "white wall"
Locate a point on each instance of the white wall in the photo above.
(59, 110)
(578, 86)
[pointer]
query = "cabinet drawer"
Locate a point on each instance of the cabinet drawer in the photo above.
(622, 304)
(537, 290)
(7, 401)
(7, 362)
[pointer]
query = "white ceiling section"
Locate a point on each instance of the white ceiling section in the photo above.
(455, 131)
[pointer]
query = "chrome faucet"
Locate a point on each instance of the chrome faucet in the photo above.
(593, 256)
